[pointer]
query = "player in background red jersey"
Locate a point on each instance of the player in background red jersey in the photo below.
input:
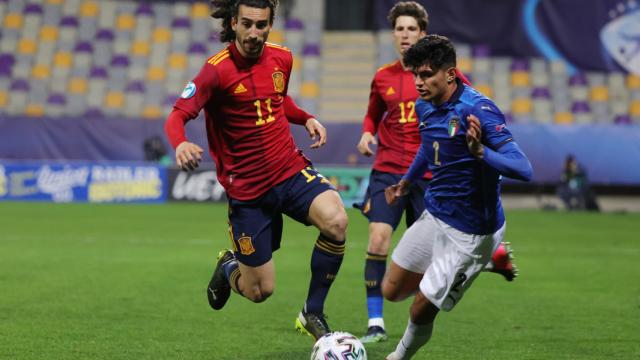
(391, 115)
(243, 91)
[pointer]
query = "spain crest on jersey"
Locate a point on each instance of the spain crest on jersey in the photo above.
(278, 81)
(454, 126)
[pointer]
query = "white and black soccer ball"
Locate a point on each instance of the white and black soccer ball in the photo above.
(338, 346)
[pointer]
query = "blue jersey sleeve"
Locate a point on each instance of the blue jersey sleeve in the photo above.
(494, 128)
(509, 161)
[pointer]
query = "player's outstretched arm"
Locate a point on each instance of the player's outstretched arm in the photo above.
(316, 132)
(188, 155)
(509, 160)
(394, 192)
(366, 140)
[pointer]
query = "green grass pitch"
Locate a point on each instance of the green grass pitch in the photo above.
(84, 281)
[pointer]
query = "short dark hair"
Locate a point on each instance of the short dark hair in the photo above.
(437, 51)
(409, 8)
(228, 9)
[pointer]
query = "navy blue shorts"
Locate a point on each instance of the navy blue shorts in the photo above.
(255, 226)
(375, 206)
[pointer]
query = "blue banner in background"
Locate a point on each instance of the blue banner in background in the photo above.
(78, 182)
(602, 35)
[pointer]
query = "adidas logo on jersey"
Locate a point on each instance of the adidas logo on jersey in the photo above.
(240, 89)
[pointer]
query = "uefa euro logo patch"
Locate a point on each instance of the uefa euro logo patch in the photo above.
(188, 91)
(454, 126)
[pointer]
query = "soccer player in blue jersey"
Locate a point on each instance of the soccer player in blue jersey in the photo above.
(467, 147)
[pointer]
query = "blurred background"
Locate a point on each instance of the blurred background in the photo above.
(85, 87)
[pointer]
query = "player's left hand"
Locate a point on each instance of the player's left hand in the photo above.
(474, 134)
(317, 132)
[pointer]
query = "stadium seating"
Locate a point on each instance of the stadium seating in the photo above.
(131, 59)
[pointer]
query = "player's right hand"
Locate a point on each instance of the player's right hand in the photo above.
(188, 155)
(363, 146)
(394, 192)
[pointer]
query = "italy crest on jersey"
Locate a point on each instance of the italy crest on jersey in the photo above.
(454, 126)
(278, 81)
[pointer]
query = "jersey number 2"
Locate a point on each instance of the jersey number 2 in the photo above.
(270, 117)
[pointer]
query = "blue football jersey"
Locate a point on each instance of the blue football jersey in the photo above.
(464, 192)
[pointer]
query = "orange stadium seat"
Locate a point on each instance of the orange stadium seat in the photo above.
(310, 89)
(13, 21)
(200, 10)
(3, 98)
(465, 65)
(35, 110)
(40, 72)
(177, 61)
(48, 33)
(63, 60)
(77, 85)
(564, 117)
(485, 89)
(599, 93)
(152, 112)
(140, 48)
(156, 73)
(114, 99)
(161, 35)
(633, 81)
(520, 78)
(634, 108)
(521, 106)
(125, 22)
(89, 9)
(27, 47)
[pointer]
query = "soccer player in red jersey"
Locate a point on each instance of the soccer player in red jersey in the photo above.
(243, 91)
(391, 115)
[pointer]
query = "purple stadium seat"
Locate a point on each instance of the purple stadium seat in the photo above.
(144, 9)
(105, 34)
(214, 36)
(578, 79)
(541, 93)
(84, 46)
(520, 65)
(98, 73)
(5, 71)
(197, 48)
(136, 87)
(33, 9)
(311, 50)
(120, 61)
(622, 119)
(7, 59)
(481, 51)
(294, 24)
(580, 107)
(508, 118)
(181, 23)
(20, 85)
(56, 99)
(70, 21)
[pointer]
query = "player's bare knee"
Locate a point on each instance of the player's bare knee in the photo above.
(336, 226)
(390, 291)
(259, 293)
(378, 243)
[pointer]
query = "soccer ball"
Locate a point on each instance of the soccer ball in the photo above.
(338, 346)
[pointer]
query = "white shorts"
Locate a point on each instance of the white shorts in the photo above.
(449, 259)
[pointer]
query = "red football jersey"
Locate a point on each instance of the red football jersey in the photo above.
(247, 113)
(391, 114)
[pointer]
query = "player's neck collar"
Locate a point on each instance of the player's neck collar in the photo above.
(457, 93)
(241, 61)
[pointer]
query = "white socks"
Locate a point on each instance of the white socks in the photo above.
(414, 337)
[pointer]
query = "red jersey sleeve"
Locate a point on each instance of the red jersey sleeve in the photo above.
(193, 98)
(375, 110)
(294, 113)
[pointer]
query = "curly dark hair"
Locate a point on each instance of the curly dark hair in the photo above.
(437, 51)
(228, 9)
(409, 8)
